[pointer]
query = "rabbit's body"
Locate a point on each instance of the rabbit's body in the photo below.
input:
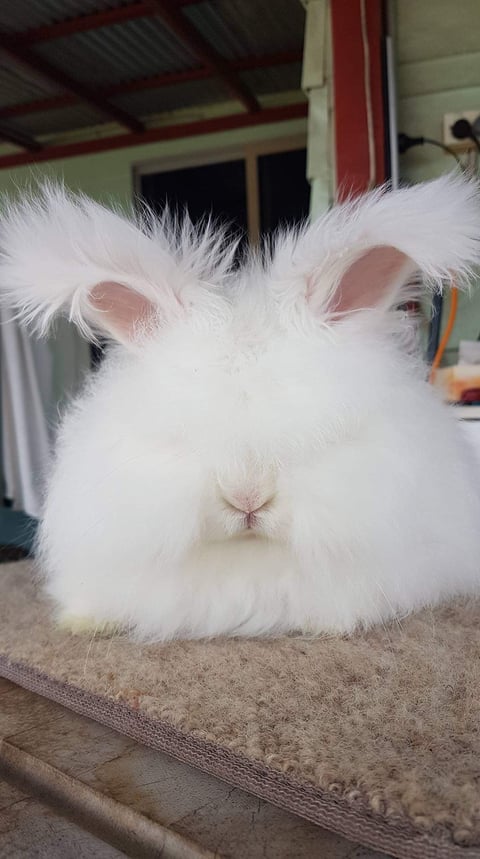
(256, 460)
(359, 523)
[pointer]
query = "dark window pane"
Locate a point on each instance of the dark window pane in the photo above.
(284, 189)
(217, 189)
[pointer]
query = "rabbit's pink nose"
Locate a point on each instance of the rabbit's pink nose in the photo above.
(249, 504)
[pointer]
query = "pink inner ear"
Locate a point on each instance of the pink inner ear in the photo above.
(371, 280)
(122, 311)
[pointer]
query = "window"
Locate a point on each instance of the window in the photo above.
(283, 188)
(209, 188)
(255, 189)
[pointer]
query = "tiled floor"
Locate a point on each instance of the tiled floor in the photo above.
(28, 828)
(211, 818)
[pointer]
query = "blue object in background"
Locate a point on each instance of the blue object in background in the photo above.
(17, 529)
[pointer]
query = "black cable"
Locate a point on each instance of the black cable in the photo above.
(405, 143)
(442, 146)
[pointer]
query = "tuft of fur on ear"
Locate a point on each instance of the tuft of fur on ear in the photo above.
(64, 253)
(364, 252)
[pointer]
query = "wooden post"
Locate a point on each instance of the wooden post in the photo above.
(357, 31)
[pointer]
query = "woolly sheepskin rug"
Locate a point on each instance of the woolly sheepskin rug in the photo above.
(376, 737)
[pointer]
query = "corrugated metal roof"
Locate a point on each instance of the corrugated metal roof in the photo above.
(211, 91)
(121, 52)
(17, 85)
(273, 79)
(238, 28)
(144, 47)
(168, 98)
(27, 14)
(57, 121)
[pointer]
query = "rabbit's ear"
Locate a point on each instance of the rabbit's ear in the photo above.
(66, 254)
(374, 279)
(363, 254)
(119, 311)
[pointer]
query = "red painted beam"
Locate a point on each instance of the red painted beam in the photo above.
(357, 28)
(91, 21)
(59, 101)
(171, 15)
(154, 135)
(18, 138)
(25, 56)
(55, 102)
(263, 61)
(83, 23)
(155, 81)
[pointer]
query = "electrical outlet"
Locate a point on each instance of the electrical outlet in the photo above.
(448, 121)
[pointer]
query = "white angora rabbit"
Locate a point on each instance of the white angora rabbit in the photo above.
(260, 453)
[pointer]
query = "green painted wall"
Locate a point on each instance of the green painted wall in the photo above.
(438, 53)
(108, 175)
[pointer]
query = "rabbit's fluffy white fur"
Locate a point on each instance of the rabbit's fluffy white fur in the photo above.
(260, 452)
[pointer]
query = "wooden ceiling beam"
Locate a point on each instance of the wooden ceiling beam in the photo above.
(169, 132)
(25, 56)
(152, 82)
(83, 23)
(18, 138)
(90, 21)
(40, 105)
(171, 15)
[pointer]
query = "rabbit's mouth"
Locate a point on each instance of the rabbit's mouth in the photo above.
(251, 521)
(252, 528)
(249, 534)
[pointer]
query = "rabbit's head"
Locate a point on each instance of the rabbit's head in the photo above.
(246, 389)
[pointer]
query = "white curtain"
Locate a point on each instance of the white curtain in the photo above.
(26, 380)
